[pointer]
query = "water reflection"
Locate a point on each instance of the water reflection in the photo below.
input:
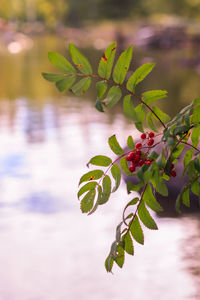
(48, 249)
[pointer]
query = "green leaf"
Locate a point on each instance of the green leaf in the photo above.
(65, 83)
(61, 62)
(100, 160)
(101, 87)
(139, 110)
(163, 116)
(98, 200)
(186, 197)
(113, 96)
(106, 62)
(80, 60)
(98, 105)
(122, 65)
(145, 217)
(151, 96)
(188, 157)
(118, 233)
(128, 244)
(132, 202)
(129, 110)
(133, 187)
(150, 122)
(53, 77)
(88, 186)
(106, 190)
(109, 263)
(197, 164)
(136, 230)
(92, 175)
(87, 201)
(139, 75)
(195, 136)
(114, 145)
(195, 188)
(120, 256)
(196, 114)
(130, 142)
(159, 184)
(116, 173)
(150, 200)
(178, 130)
(124, 166)
(80, 87)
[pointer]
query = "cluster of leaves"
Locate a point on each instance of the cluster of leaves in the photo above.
(96, 186)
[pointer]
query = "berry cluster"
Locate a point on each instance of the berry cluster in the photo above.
(137, 157)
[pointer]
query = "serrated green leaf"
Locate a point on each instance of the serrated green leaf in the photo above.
(136, 230)
(150, 200)
(195, 136)
(114, 145)
(196, 115)
(98, 105)
(100, 160)
(150, 122)
(145, 217)
(88, 186)
(128, 247)
(61, 62)
(151, 96)
(122, 65)
(140, 112)
(180, 129)
(92, 175)
(163, 116)
(130, 142)
(133, 187)
(101, 87)
(65, 83)
(113, 96)
(106, 184)
(195, 188)
(116, 173)
(120, 256)
(186, 197)
(159, 184)
(53, 77)
(80, 60)
(139, 75)
(87, 201)
(99, 190)
(106, 62)
(109, 263)
(188, 157)
(124, 166)
(129, 110)
(81, 87)
(118, 233)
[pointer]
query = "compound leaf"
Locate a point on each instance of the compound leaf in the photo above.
(80, 60)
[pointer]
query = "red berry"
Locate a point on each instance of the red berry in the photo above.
(138, 145)
(132, 155)
(137, 158)
(151, 134)
(171, 167)
(138, 152)
(128, 158)
(143, 136)
(150, 142)
(148, 162)
(141, 162)
(132, 168)
(173, 173)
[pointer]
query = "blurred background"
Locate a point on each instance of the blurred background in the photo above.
(48, 249)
